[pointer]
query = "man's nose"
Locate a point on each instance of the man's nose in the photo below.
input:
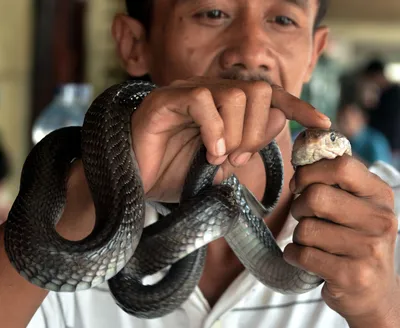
(249, 48)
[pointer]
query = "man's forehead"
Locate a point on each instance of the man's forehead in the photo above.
(300, 3)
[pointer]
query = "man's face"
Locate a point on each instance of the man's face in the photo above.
(267, 39)
(350, 120)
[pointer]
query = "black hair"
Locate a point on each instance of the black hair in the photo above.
(375, 66)
(142, 11)
(322, 10)
(353, 107)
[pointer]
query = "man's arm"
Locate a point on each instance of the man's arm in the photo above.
(353, 249)
(19, 299)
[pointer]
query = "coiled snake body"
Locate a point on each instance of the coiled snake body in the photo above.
(119, 250)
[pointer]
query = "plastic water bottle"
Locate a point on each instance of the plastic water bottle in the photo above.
(68, 108)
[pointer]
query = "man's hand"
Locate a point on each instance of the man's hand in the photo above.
(347, 236)
(234, 119)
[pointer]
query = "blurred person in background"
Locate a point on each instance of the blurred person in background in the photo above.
(384, 114)
(369, 144)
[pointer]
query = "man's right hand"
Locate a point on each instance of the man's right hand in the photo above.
(233, 118)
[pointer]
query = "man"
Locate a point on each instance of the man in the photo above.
(369, 144)
(270, 47)
(385, 114)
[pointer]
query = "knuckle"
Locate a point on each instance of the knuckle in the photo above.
(305, 256)
(155, 97)
(388, 223)
(254, 142)
(302, 176)
(299, 176)
(233, 143)
(218, 124)
(331, 294)
(375, 248)
(384, 190)
(388, 194)
(344, 274)
(342, 278)
(260, 138)
(315, 194)
(236, 95)
(261, 87)
(345, 167)
(304, 230)
(178, 82)
(391, 225)
(155, 107)
(200, 94)
(363, 277)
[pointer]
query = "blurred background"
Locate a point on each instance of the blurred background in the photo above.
(56, 55)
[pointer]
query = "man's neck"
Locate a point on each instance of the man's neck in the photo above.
(222, 266)
(221, 269)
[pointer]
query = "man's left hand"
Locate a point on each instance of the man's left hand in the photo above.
(347, 236)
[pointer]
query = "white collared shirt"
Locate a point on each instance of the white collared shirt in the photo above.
(245, 304)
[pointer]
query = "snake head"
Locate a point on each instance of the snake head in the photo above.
(312, 145)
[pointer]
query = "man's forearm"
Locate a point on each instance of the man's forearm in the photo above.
(19, 299)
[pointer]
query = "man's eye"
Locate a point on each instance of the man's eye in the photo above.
(284, 20)
(213, 14)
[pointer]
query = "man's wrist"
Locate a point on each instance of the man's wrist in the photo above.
(392, 321)
(387, 314)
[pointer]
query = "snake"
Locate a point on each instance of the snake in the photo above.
(121, 249)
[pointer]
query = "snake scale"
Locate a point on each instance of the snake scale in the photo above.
(120, 250)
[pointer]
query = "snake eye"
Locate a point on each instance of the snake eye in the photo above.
(333, 136)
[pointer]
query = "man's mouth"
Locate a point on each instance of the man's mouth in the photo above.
(239, 74)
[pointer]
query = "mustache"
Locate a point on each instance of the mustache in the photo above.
(246, 76)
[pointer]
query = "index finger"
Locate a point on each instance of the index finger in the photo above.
(297, 109)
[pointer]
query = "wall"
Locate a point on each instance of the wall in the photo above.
(360, 40)
(15, 53)
(103, 68)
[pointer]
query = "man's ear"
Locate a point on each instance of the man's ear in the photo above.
(130, 38)
(319, 44)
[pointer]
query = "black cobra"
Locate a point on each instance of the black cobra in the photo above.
(119, 249)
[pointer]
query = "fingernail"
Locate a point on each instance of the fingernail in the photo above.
(323, 116)
(216, 160)
(220, 147)
(242, 158)
(288, 256)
